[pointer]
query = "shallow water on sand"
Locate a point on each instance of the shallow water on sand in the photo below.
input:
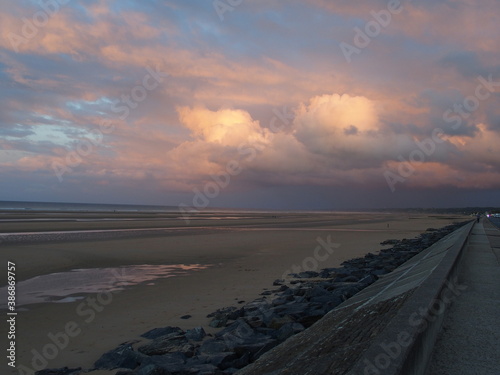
(63, 287)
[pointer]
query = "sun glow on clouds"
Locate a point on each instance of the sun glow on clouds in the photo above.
(331, 122)
(227, 127)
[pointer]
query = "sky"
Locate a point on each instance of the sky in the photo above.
(311, 104)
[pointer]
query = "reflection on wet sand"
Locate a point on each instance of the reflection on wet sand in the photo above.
(69, 286)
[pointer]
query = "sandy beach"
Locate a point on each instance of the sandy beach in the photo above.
(243, 253)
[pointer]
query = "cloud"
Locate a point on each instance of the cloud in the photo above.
(226, 81)
(227, 127)
(328, 121)
(348, 130)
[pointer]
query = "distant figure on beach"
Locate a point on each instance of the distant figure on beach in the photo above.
(478, 217)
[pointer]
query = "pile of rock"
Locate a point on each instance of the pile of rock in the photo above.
(251, 330)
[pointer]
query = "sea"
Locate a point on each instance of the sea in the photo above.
(82, 207)
(101, 207)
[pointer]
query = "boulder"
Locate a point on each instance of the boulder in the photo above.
(195, 334)
(279, 301)
(121, 357)
(168, 344)
(255, 347)
(316, 292)
(151, 369)
(241, 362)
(289, 329)
(308, 274)
(280, 321)
(157, 332)
(218, 322)
(213, 346)
(222, 360)
(239, 329)
(202, 369)
(164, 364)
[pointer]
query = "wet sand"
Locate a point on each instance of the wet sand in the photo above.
(245, 254)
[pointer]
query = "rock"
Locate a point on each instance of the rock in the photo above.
(126, 372)
(299, 292)
(279, 301)
(241, 338)
(266, 293)
(298, 299)
(58, 371)
(278, 282)
(349, 279)
(256, 306)
(195, 334)
(289, 329)
(202, 369)
(348, 291)
(316, 292)
(218, 322)
(255, 347)
(368, 280)
(213, 346)
(329, 302)
(379, 272)
(324, 274)
(293, 310)
(308, 274)
(165, 364)
(222, 360)
(279, 322)
(151, 370)
(186, 316)
(162, 365)
(267, 331)
(390, 242)
(230, 371)
(239, 329)
(168, 344)
(309, 320)
(223, 311)
(233, 315)
(158, 332)
(241, 362)
(122, 357)
(255, 321)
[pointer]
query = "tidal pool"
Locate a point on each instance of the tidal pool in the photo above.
(70, 286)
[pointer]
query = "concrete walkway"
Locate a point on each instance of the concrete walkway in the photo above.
(469, 342)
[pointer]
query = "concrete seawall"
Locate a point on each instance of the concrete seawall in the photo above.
(388, 328)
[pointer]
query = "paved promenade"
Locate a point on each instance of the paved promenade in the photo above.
(469, 342)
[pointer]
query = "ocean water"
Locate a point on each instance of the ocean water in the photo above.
(82, 207)
(101, 207)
